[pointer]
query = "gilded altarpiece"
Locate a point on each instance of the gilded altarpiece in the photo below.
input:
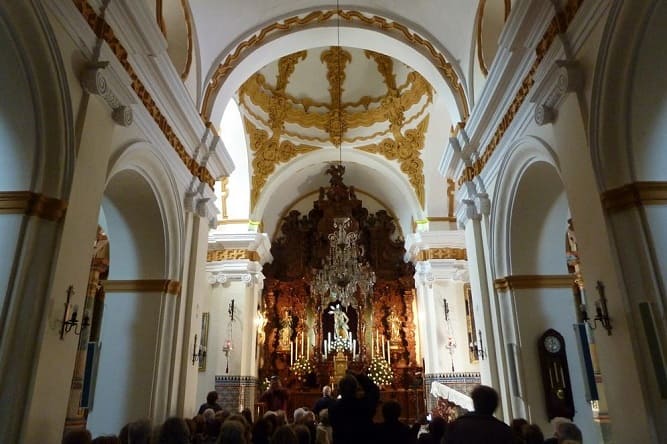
(299, 322)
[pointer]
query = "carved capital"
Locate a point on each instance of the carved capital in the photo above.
(564, 77)
(95, 82)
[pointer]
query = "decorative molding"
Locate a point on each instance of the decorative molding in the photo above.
(443, 253)
(564, 77)
(318, 17)
(32, 204)
(104, 31)
(559, 24)
(519, 282)
(231, 254)
(94, 82)
(635, 195)
(143, 286)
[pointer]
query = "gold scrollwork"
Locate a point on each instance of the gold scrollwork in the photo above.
(231, 254)
(406, 148)
(268, 152)
(460, 254)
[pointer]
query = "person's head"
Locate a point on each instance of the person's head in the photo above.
(326, 390)
(212, 397)
(137, 432)
(517, 426)
(232, 432)
(284, 435)
(437, 428)
(77, 437)
(275, 382)
(484, 399)
(299, 414)
(247, 414)
(556, 422)
(568, 431)
(174, 431)
(324, 417)
(302, 433)
(391, 411)
(348, 386)
(532, 434)
(262, 430)
(106, 439)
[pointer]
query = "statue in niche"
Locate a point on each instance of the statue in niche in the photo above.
(394, 322)
(285, 334)
(341, 326)
(571, 250)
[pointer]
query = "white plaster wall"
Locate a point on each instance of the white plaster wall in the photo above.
(537, 310)
(128, 343)
(648, 127)
(539, 223)
(453, 292)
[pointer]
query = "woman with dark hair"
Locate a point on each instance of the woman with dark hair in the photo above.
(174, 431)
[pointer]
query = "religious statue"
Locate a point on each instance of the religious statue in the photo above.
(572, 255)
(285, 330)
(394, 326)
(341, 328)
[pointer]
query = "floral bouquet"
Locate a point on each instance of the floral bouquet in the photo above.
(340, 345)
(379, 371)
(302, 366)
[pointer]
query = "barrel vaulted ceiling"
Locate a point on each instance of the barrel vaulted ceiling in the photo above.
(378, 85)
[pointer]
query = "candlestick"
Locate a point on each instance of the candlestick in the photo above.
(383, 354)
(308, 347)
(291, 353)
(388, 353)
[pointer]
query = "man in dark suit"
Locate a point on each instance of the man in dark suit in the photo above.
(480, 426)
(351, 416)
(325, 401)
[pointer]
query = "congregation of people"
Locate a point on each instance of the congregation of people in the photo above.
(345, 419)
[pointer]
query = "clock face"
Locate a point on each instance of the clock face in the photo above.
(552, 344)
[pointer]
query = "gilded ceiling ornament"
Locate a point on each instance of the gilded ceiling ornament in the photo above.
(268, 152)
(257, 92)
(406, 148)
(385, 67)
(286, 67)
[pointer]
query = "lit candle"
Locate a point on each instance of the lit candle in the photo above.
(383, 354)
(308, 347)
(291, 353)
(354, 348)
(388, 353)
(377, 340)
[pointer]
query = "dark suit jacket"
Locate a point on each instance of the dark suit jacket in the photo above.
(474, 428)
(352, 418)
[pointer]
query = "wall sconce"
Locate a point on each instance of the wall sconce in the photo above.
(198, 355)
(446, 309)
(477, 348)
(601, 312)
(70, 321)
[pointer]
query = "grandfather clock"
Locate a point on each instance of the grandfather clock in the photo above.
(555, 375)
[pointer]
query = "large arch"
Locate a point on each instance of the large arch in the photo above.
(529, 223)
(216, 97)
(628, 133)
(36, 146)
(141, 216)
(393, 188)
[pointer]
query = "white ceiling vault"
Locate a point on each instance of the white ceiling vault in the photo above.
(405, 75)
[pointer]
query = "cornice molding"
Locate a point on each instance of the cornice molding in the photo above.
(104, 31)
(428, 245)
(635, 195)
(142, 286)
(253, 247)
(558, 24)
(32, 204)
(231, 254)
(518, 282)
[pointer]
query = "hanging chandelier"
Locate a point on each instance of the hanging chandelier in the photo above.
(344, 271)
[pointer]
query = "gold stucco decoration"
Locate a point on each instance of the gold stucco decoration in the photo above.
(406, 148)
(268, 151)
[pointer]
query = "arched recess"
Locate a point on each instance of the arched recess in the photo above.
(37, 152)
(529, 224)
(238, 70)
(140, 215)
(628, 133)
(392, 187)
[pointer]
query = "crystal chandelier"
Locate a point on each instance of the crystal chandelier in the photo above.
(343, 271)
